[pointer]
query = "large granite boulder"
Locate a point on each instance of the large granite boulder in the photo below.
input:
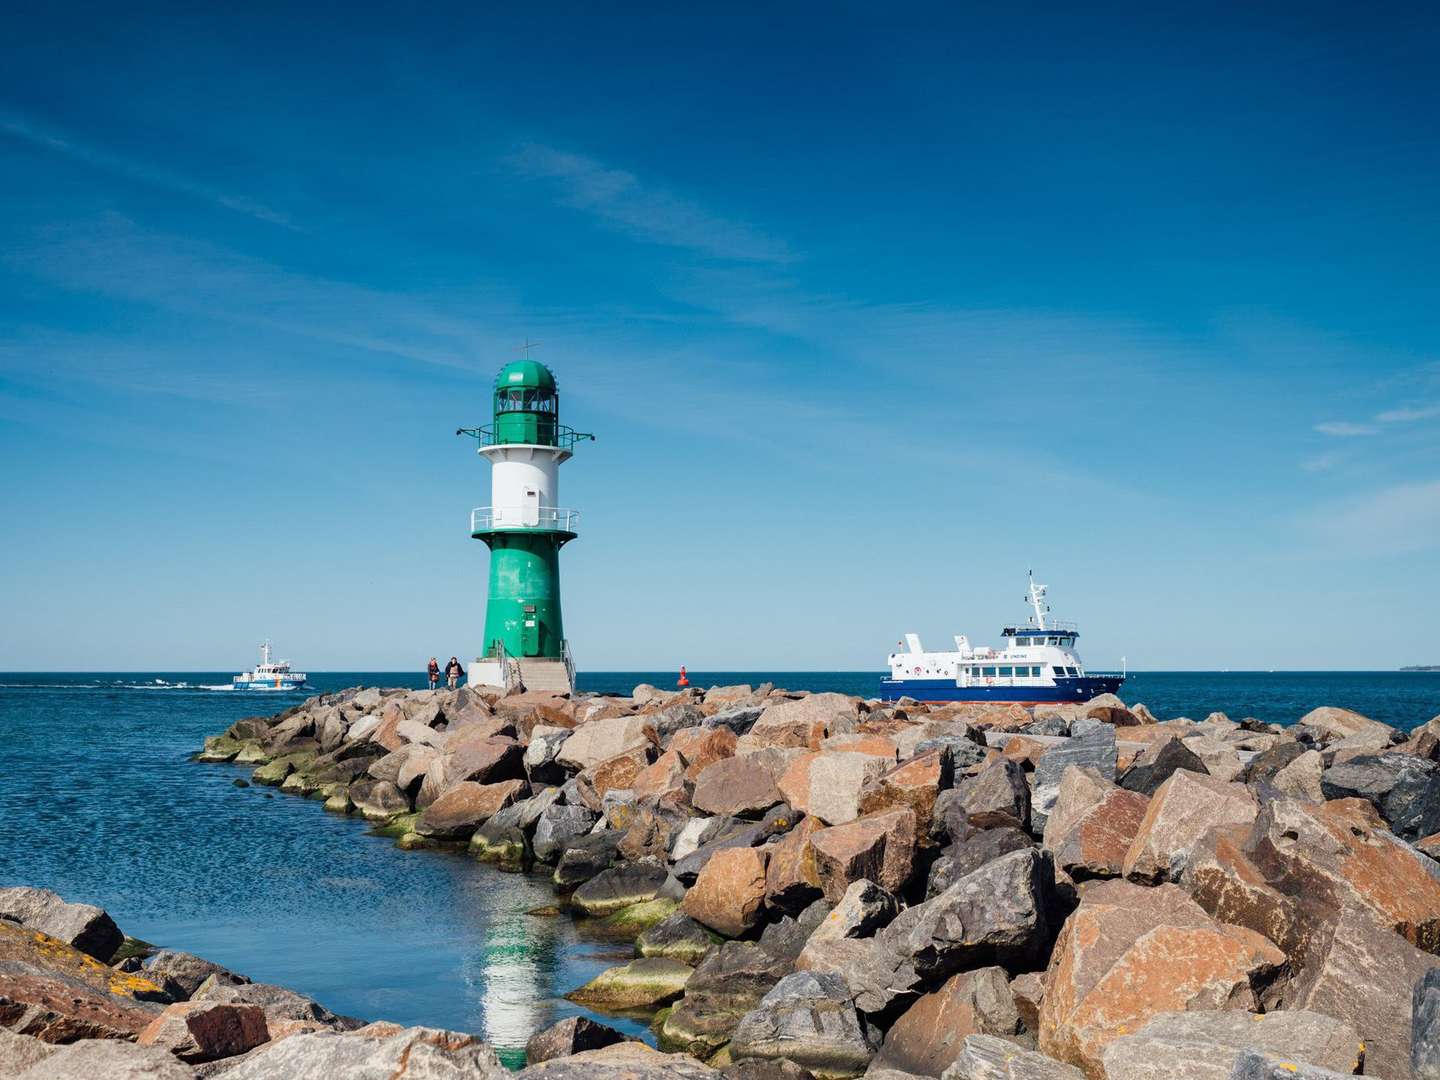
(108, 1059)
(1425, 1026)
(1339, 853)
(877, 847)
(741, 786)
(809, 1019)
(729, 892)
(57, 993)
(1158, 764)
(1403, 788)
(646, 983)
(280, 1003)
(1329, 725)
(623, 1061)
(620, 887)
(599, 740)
(827, 784)
(1183, 809)
(199, 1031)
(930, 1035)
(914, 785)
(584, 857)
(573, 1035)
(730, 981)
(1129, 953)
(380, 1052)
(802, 722)
(677, 937)
(462, 809)
(557, 827)
(864, 909)
(999, 795)
(1094, 749)
(1206, 1045)
(82, 926)
(181, 973)
(1357, 970)
(1092, 824)
(792, 880)
(987, 1057)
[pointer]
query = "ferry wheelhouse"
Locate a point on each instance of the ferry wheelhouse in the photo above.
(270, 675)
(1038, 663)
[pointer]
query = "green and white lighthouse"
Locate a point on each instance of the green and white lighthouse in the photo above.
(525, 528)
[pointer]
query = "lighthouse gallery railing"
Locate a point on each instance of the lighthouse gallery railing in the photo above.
(556, 518)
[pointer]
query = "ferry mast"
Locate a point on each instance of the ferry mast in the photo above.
(525, 528)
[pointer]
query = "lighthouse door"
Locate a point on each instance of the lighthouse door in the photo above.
(530, 510)
(530, 632)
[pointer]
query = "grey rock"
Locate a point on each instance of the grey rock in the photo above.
(541, 755)
(1402, 787)
(737, 833)
(557, 827)
(107, 1059)
(181, 973)
(808, 1018)
(1147, 776)
(968, 855)
(864, 909)
(787, 937)
(1094, 750)
(585, 857)
(573, 1035)
(677, 937)
(415, 1053)
(1254, 1065)
(1205, 1045)
(964, 752)
(730, 981)
(619, 887)
(694, 834)
(998, 795)
(19, 1052)
(1425, 1027)
(988, 1057)
(378, 800)
(1268, 763)
(279, 1002)
(85, 926)
(739, 720)
(623, 1061)
(1049, 724)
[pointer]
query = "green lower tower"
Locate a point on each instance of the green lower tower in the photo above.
(525, 529)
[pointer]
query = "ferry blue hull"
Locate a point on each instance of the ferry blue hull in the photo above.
(1065, 690)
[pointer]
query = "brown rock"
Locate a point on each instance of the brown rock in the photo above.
(1301, 778)
(997, 796)
(877, 847)
(1356, 970)
(1221, 878)
(618, 773)
(1023, 749)
(914, 786)
(1028, 989)
(1128, 953)
(652, 829)
(599, 740)
(56, 993)
(804, 722)
(791, 879)
(1093, 824)
(485, 759)
(198, 1031)
(929, 1036)
(827, 784)
(744, 786)
(1184, 808)
(1220, 757)
(388, 733)
(532, 708)
(456, 814)
(728, 894)
(1340, 852)
(702, 747)
(665, 776)
(861, 742)
(1331, 725)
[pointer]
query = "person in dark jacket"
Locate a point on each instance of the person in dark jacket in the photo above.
(453, 672)
(434, 672)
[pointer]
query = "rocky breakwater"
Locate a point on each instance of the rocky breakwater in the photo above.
(820, 885)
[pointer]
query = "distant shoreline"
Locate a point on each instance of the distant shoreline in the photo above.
(1422, 667)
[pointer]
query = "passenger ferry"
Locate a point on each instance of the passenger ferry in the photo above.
(270, 676)
(1037, 664)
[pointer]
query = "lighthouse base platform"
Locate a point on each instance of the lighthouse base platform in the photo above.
(540, 674)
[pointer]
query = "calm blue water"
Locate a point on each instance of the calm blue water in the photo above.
(99, 802)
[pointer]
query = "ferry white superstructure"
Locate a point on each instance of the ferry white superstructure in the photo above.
(1037, 664)
(269, 675)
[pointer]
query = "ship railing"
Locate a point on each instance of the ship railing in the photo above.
(551, 435)
(548, 518)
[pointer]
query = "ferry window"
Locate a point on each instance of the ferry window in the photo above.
(1034, 672)
(989, 671)
(1006, 672)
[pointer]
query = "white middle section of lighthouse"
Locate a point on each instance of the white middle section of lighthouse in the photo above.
(524, 480)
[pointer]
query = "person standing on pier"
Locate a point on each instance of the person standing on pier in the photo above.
(452, 672)
(434, 673)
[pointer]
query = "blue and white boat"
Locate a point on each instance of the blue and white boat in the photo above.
(1037, 664)
(269, 675)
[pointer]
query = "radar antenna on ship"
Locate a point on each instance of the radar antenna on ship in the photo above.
(1036, 599)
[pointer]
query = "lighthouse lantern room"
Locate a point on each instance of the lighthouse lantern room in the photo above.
(525, 527)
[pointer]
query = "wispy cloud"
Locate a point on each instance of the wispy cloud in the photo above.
(644, 212)
(1400, 519)
(97, 158)
(1322, 462)
(1409, 413)
(1345, 429)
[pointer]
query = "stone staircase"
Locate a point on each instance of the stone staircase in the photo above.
(544, 675)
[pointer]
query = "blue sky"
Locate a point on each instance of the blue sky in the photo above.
(871, 307)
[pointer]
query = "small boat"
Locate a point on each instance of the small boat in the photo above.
(1037, 664)
(270, 675)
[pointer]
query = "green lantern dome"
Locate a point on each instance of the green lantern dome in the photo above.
(525, 375)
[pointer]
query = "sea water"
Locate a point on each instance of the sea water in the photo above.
(100, 801)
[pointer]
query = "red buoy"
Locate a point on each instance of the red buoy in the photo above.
(683, 681)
